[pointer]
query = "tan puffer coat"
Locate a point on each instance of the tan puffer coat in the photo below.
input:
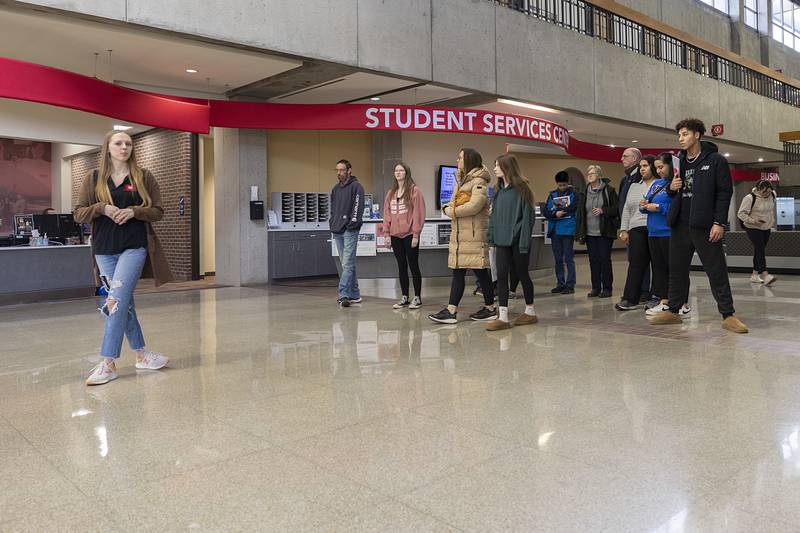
(468, 245)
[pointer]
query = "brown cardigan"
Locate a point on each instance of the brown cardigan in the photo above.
(88, 209)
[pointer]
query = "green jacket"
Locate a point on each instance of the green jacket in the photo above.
(511, 220)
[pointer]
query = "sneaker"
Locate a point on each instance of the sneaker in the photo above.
(152, 361)
(653, 311)
(477, 292)
(416, 303)
(684, 311)
(497, 325)
(605, 294)
(524, 319)
(653, 302)
(483, 314)
(568, 290)
(665, 317)
(734, 324)
(769, 279)
(355, 300)
(343, 302)
(755, 278)
(557, 290)
(102, 373)
(644, 298)
(594, 293)
(402, 303)
(444, 317)
(625, 305)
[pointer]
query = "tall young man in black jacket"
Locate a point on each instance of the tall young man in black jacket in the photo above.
(698, 217)
(347, 206)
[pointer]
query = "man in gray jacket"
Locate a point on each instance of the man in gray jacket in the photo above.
(347, 206)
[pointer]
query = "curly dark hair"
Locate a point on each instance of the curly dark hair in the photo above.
(691, 124)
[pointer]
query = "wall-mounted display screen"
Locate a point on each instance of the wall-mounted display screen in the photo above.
(445, 184)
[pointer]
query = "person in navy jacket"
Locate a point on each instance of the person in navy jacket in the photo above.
(560, 212)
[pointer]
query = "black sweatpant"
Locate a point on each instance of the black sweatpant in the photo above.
(599, 249)
(682, 245)
(659, 259)
(759, 238)
(407, 256)
(638, 263)
(509, 259)
(458, 283)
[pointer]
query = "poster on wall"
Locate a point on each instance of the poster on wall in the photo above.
(25, 182)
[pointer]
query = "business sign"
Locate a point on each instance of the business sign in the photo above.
(717, 130)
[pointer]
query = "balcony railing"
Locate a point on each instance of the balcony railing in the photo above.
(615, 29)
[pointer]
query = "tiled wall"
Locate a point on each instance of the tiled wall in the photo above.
(168, 155)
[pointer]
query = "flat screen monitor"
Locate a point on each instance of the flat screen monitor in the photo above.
(46, 224)
(445, 184)
(23, 224)
(67, 227)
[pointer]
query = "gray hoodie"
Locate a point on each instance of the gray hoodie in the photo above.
(347, 206)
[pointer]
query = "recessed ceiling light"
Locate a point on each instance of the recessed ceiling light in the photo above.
(727, 154)
(376, 98)
(191, 70)
(760, 159)
(527, 106)
(120, 127)
(634, 141)
(612, 146)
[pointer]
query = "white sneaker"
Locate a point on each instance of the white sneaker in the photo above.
(416, 303)
(402, 303)
(755, 278)
(684, 311)
(356, 300)
(656, 309)
(152, 361)
(102, 373)
(769, 279)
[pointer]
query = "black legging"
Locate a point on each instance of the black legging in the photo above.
(458, 283)
(759, 238)
(659, 257)
(508, 257)
(407, 256)
(638, 263)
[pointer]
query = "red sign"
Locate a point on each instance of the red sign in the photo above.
(717, 129)
(749, 174)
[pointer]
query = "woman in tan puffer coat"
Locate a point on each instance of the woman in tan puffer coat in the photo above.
(469, 210)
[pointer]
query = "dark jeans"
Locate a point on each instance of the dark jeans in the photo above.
(682, 245)
(564, 256)
(638, 264)
(599, 249)
(659, 259)
(509, 259)
(759, 238)
(457, 285)
(407, 256)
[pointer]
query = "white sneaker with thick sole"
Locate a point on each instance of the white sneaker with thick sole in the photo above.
(404, 302)
(657, 309)
(769, 279)
(416, 303)
(102, 374)
(684, 311)
(151, 361)
(756, 279)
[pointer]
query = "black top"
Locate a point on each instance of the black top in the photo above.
(110, 238)
(689, 168)
(706, 191)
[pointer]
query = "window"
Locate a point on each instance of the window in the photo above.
(722, 5)
(786, 23)
(751, 10)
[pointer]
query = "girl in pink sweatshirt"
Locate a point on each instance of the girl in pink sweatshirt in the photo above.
(403, 218)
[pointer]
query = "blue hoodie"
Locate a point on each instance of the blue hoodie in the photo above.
(564, 226)
(657, 220)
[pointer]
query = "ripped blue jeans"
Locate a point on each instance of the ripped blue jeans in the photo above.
(122, 271)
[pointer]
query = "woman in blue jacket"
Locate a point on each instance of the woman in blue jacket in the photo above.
(560, 212)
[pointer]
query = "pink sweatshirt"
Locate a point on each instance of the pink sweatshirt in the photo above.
(400, 220)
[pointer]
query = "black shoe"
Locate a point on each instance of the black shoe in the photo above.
(483, 314)
(343, 302)
(568, 290)
(625, 305)
(557, 290)
(652, 302)
(444, 317)
(477, 292)
(594, 293)
(605, 294)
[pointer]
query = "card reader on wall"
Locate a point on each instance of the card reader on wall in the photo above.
(256, 210)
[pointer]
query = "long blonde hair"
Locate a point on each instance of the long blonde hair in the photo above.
(101, 190)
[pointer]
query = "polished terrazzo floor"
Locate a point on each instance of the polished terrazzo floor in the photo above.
(283, 413)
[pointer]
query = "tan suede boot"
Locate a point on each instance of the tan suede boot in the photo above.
(734, 324)
(497, 325)
(524, 319)
(665, 317)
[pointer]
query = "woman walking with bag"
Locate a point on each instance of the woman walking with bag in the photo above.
(403, 218)
(758, 215)
(510, 228)
(469, 211)
(120, 200)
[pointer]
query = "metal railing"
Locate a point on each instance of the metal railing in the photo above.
(791, 153)
(596, 22)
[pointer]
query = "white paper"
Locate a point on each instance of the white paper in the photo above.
(429, 236)
(253, 193)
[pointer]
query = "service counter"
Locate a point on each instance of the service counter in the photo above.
(37, 273)
(783, 251)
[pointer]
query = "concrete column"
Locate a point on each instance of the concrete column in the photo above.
(240, 161)
(387, 151)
